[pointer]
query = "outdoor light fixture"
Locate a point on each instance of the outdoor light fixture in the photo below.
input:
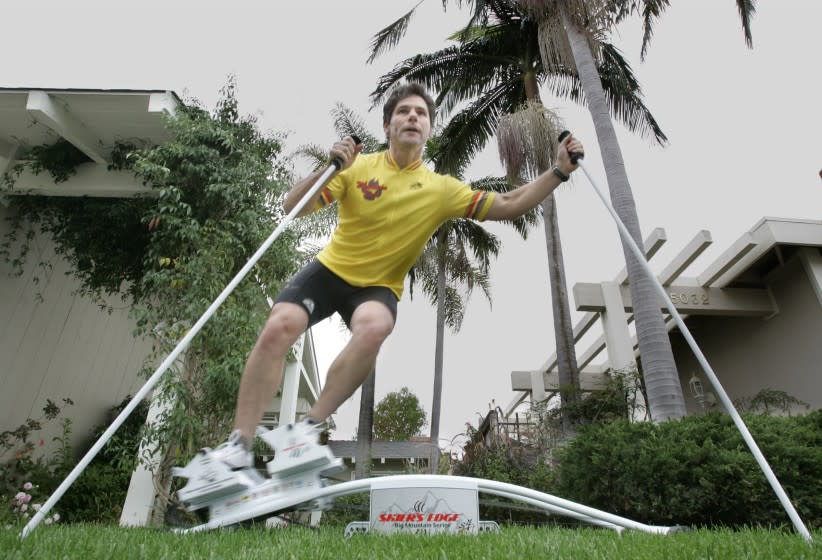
(697, 390)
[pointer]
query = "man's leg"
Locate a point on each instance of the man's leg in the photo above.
(263, 369)
(371, 323)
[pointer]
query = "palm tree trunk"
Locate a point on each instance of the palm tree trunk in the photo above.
(665, 397)
(365, 428)
(442, 239)
(567, 368)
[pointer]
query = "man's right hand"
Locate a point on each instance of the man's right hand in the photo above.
(346, 151)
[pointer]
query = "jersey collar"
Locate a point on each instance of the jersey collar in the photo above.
(391, 163)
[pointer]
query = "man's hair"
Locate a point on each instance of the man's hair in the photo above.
(400, 93)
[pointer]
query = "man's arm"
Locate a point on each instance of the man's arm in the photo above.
(512, 205)
(346, 151)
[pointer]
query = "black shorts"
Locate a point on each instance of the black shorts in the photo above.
(321, 292)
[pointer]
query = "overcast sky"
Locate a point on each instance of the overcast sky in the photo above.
(744, 130)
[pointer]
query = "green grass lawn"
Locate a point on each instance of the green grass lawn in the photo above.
(90, 541)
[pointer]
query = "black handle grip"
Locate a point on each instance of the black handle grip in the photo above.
(337, 162)
(575, 156)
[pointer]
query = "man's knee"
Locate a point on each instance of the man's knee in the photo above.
(372, 322)
(285, 324)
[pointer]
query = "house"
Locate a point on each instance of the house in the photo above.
(755, 312)
(56, 343)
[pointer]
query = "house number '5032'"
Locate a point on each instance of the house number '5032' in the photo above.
(692, 299)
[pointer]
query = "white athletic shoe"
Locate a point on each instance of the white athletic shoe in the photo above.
(297, 448)
(233, 453)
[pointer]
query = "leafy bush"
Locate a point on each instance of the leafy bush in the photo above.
(25, 480)
(96, 496)
(513, 464)
(697, 470)
(345, 509)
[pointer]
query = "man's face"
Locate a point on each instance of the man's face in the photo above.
(410, 123)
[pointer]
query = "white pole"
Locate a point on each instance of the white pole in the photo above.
(182, 345)
(723, 396)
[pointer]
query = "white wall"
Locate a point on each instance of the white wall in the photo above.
(61, 346)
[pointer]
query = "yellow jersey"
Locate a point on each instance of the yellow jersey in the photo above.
(386, 215)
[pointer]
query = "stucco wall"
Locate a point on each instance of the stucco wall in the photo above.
(783, 352)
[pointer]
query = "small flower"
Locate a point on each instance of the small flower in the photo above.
(24, 507)
(20, 496)
(36, 507)
(47, 521)
(56, 517)
(25, 516)
(28, 486)
(26, 498)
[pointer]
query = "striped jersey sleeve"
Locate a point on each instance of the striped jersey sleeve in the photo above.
(336, 188)
(464, 202)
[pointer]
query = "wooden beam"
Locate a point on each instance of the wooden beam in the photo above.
(593, 351)
(593, 379)
(686, 256)
(656, 239)
(693, 300)
(583, 325)
(518, 399)
(728, 259)
(45, 110)
(91, 180)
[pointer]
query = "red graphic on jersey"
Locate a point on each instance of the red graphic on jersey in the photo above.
(370, 190)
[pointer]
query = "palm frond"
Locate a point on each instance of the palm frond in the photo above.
(464, 258)
(317, 224)
(624, 95)
(430, 70)
(478, 9)
(347, 123)
(316, 155)
(388, 37)
(747, 8)
(484, 245)
(651, 11)
(469, 131)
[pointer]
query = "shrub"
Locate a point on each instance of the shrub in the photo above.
(96, 496)
(345, 509)
(697, 470)
(513, 464)
(99, 492)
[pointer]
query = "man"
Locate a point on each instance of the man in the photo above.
(389, 205)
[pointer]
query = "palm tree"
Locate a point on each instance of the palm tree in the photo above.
(571, 32)
(497, 67)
